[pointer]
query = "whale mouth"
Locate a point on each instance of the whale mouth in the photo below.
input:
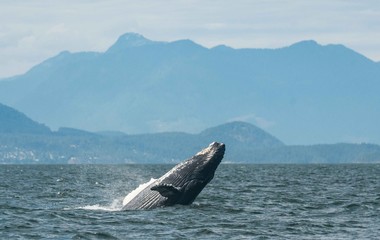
(205, 171)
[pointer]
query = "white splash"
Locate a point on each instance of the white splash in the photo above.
(134, 193)
(114, 206)
(100, 208)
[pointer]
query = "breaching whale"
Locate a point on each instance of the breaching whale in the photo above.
(180, 185)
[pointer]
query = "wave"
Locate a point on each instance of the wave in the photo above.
(113, 207)
(116, 204)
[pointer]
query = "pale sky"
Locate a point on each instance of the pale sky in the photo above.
(33, 30)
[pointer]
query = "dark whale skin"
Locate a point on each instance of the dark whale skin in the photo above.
(182, 184)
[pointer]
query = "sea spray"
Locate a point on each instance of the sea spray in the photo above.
(114, 206)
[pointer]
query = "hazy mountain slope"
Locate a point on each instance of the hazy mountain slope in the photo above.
(238, 135)
(305, 93)
(14, 122)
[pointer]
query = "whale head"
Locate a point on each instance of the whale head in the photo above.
(204, 163)
(183, 183)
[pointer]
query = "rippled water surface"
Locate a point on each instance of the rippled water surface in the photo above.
(241, 202)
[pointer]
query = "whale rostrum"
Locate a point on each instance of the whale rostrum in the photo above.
(180, 185)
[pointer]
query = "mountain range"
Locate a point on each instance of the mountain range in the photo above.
(25, 141)
(305, 93)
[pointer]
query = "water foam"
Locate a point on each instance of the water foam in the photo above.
(114, 206)
(134, 193)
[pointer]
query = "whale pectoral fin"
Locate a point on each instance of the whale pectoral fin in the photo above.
(166, 190)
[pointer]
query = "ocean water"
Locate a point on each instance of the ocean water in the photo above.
(241, 202)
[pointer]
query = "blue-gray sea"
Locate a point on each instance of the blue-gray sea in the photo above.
(241, 202)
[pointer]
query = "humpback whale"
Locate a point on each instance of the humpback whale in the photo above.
(180, 185)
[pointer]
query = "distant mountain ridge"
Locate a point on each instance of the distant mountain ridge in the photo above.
(24, 141)
(305, 93)
(129, 40)
(242, 135)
